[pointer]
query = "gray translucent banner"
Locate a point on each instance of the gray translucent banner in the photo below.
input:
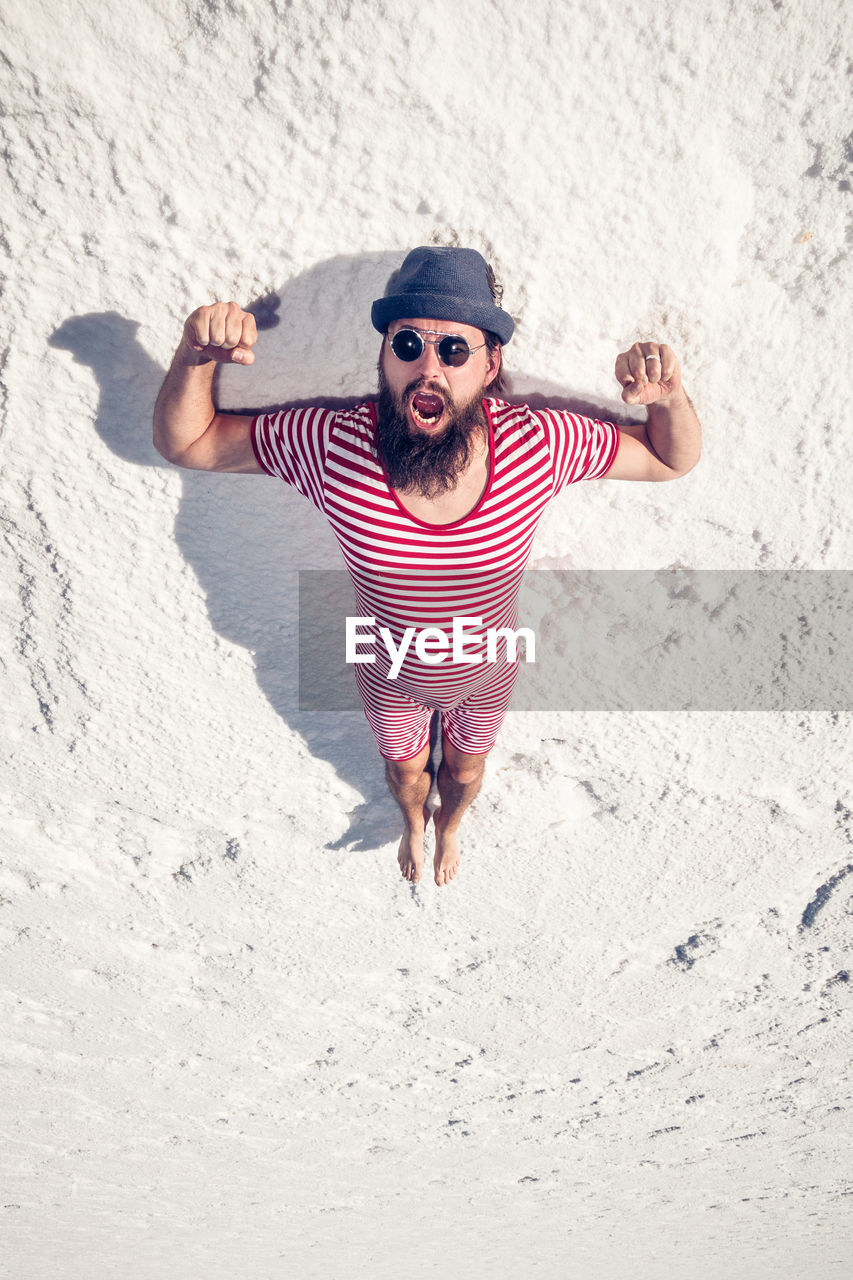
(638, 640)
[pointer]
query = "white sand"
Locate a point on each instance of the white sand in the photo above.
(234, 1042)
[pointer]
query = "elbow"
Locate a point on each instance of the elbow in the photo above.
(695, 462)
(160, 440)
(166, 453)
(161, 448)
(684, 470)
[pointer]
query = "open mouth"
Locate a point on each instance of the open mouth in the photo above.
(427, 409)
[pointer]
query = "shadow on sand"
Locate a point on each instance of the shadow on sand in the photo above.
(246, 537)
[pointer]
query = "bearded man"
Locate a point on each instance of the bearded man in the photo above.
(434, 491)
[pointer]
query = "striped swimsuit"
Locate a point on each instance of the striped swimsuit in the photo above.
(408, 573)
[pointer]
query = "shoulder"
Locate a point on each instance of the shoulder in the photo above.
(317, 419)
(299, 423)
(296, 437)
(507, 414)
(512, 419)
(579, 448)
(541, 427)
(358, 419)
(547, 421)
(352, 430)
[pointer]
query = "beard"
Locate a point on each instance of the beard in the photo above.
(429, 465)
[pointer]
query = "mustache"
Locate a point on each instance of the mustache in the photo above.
(423, 384)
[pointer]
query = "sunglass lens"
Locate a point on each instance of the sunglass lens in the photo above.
(453, 351)
(407, 345)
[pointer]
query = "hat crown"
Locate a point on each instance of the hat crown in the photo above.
(444, 270)
(443, 283)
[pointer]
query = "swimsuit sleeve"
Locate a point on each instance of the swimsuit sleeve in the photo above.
(292, 444)
(581, 448)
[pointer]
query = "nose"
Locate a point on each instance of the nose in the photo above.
(428, 362)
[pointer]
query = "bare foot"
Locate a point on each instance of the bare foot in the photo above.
(410, 856)
(446, 862)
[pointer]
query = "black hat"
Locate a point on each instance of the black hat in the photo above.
(443, 284)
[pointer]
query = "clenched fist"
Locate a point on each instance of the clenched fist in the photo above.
(220, 332)
(648, 372)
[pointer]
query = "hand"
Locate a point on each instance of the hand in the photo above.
(221, 332)
(648, 372)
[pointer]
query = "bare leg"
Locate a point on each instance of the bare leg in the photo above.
(409, 782)
(459, 780)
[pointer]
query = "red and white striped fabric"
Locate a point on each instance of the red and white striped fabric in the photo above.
(408, 573)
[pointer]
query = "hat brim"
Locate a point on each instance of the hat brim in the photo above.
(441, 306)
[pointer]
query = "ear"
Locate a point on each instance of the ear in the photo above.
(493, 366)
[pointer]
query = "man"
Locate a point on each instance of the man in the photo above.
(434, 492)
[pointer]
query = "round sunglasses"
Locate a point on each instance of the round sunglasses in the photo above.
(408, 345)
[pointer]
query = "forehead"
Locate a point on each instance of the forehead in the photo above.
(425, 325)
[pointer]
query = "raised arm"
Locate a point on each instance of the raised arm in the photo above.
(669, 443)
(188, 429)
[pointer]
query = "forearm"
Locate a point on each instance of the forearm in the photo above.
(184, 408)
(674, 432)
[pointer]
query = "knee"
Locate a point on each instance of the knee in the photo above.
(403, 773)
(464, 772)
